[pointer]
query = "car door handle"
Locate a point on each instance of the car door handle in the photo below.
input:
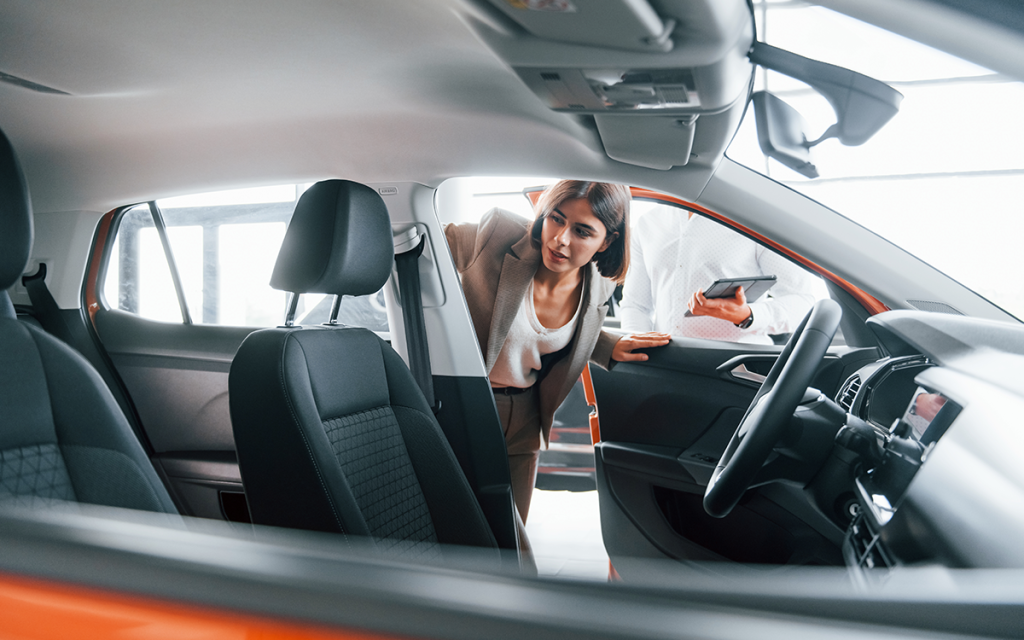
(741, 372)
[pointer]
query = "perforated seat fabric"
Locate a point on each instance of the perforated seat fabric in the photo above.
(334, 435)
(332, 432)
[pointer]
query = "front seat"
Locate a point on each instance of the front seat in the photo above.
(333, 434)
(62, 435)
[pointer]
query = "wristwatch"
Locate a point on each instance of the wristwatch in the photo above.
(749, 321)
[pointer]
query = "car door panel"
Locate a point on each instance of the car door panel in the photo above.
(177, 377)
(664, 425)
(641, 403)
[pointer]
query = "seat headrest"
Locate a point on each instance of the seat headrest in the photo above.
(15, 217)
(338, 242)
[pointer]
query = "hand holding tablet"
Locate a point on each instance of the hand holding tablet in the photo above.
(753, 287)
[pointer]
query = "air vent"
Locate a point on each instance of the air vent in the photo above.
(550, 76)
(28, 84)
(868, 548)
(849, 392)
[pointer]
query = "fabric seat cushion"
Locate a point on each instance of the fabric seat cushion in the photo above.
(64, 436)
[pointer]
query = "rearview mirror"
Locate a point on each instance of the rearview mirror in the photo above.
(862, 105)
(780, 133)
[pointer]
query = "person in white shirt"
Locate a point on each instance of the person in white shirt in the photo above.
(676, 254)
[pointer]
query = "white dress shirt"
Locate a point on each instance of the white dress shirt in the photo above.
(673, 255)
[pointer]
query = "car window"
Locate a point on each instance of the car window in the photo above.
(222, 247)
(468, 199)
(662, 279)
(675, 252)
(942, 179)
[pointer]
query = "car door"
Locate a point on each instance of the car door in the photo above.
(161, 304)
(663, 425)
(172, 291)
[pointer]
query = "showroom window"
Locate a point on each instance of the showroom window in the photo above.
(221, 248)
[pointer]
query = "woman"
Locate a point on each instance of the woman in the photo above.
(537, 294)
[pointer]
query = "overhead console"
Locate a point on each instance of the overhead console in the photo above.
(634, 25)
(665, 81)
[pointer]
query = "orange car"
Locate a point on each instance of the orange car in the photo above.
(241, 394)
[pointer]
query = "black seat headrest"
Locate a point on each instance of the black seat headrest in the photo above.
(338, 242)
(15, 217)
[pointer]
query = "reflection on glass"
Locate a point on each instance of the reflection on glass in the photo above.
(923, 410)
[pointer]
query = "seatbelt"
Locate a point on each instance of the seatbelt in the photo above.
(407, 265)
(45, 307)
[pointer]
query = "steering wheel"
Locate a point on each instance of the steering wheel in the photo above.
(766, 419)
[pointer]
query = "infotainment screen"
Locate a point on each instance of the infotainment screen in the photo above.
(929, 415)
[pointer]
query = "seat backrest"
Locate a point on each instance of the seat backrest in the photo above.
(332, 431)
(62, 435)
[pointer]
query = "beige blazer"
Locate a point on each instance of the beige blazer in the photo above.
(496, 260)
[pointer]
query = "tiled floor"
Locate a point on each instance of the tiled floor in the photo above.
(565, 530)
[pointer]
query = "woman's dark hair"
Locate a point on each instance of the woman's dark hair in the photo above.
(610, 203)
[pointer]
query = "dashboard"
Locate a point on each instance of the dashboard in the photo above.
(878, 393)
(945, 485)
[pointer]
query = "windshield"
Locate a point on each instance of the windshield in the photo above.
(943, 179)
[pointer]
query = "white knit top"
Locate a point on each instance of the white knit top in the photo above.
(519, 360)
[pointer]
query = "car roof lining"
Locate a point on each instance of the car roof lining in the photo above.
(167, 100)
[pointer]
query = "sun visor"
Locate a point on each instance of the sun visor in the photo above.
(655, 143)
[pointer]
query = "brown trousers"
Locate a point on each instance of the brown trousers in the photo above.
(520, 420)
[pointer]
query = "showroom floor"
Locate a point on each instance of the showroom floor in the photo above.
(565, 531)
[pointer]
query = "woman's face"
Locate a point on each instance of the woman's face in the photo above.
(571, 236)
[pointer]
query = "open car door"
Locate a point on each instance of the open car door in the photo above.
(663, 427)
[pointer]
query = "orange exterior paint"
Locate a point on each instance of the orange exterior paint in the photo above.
(588, 393)
(37, 610)
(613, 575)
(92, 299)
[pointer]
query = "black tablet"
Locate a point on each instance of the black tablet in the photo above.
(753, 287)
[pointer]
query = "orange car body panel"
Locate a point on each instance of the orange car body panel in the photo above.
(99, 247)
(39, 610)
(588, 392)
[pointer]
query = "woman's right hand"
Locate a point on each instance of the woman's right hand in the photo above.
(626, 345)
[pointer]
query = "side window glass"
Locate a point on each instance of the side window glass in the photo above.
(225, 255)
(224, 246)
(357, 311)
(674, 253)
(138, 278)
